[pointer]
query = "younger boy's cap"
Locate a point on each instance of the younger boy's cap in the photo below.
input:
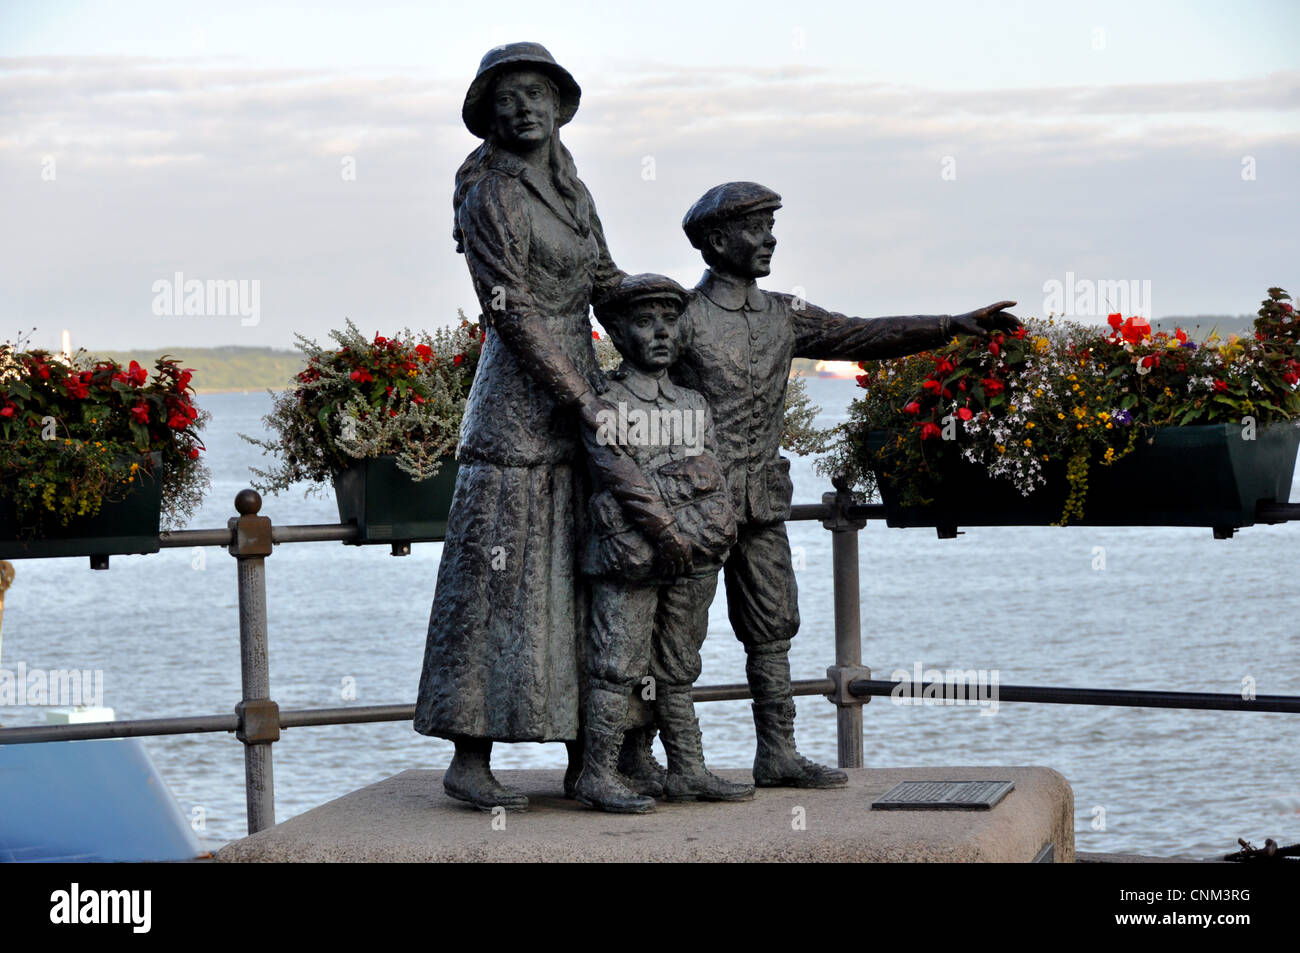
(729, 200)
(636, 288)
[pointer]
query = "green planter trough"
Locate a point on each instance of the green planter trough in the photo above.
(389, 507)
(1205, 475)
(120, 527)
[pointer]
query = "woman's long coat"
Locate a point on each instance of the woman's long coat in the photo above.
(503, 656)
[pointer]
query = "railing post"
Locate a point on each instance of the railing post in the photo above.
(259, 717)
(848, 622)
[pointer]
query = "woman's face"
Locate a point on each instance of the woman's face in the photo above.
(523, 110)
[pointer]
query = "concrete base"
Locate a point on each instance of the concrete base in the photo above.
(408, 818)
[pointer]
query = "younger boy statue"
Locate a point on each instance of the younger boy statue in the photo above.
(650, 613)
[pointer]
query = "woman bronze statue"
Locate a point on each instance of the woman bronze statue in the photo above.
(502, 660)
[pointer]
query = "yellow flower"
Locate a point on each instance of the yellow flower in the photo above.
(134, 467)
(1030, 425)
(1028, 442)
(1060, 416)
(1001, 449)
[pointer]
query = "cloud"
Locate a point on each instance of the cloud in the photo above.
(223, 170)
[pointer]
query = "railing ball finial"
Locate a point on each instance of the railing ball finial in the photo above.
(248, 502)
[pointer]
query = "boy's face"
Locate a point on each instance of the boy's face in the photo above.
(648, 336)
(743, 246)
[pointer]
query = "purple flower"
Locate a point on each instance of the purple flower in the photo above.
(1122, 417)
(1190, 345)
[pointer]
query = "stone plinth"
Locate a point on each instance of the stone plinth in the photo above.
(408, 818)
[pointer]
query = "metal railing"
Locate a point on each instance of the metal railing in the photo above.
(258, 720)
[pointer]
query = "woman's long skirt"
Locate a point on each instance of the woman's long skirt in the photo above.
(503, 656)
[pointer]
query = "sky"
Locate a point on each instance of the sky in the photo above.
(932, 157)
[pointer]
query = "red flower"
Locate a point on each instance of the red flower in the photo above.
(994, 349)
(1181, 335)
(1151, 360)
(863, 380)
(186, 376)
(933, 386)
(361, 376)
(1135, 329)
(1115, 320)
(7, 410)
(43, 370)
(417, 398)
(380, 341)
(944, 366)
(595, 335)
(424, 351)
(992, 386)
(140, 411)
(178, 421)
(458, 360)
(1220, 386)
(913, 408)
(194, 453)
(136, 374)
(1019, 332)
(930, 430)
(964, 413)
(76, 387)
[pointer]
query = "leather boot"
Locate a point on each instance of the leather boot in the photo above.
(777, 764)
(688, 779)
(637, 764)
(469, 778)
(600, 785)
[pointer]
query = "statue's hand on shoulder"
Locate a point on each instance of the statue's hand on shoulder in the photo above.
(986, 320)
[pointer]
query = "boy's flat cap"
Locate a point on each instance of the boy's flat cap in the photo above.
(725, 201)
(642, 287)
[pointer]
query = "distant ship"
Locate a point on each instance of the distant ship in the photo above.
(844, 369)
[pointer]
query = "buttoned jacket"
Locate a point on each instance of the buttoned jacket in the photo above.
(738, 342)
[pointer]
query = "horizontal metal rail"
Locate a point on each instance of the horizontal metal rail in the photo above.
(860, 688)
(1119, 697)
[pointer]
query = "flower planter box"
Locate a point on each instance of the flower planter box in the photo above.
(1205, 475)
(126, 526)
(389, 507)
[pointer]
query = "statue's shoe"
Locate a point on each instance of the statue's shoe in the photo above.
(796, 771)
(485, 795)
(701, 785)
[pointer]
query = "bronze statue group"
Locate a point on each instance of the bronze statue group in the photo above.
(583, 553)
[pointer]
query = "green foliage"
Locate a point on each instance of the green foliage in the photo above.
(1058, 391)
(799, 435)
(76, 433)
(367, 398)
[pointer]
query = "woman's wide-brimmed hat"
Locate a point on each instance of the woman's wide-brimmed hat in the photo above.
(477, 111)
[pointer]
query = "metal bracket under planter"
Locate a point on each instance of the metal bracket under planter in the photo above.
(121, 527)
(390, 508)
(1209, 475)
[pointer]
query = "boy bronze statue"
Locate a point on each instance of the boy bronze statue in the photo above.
(650, 614)
(738, 342)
